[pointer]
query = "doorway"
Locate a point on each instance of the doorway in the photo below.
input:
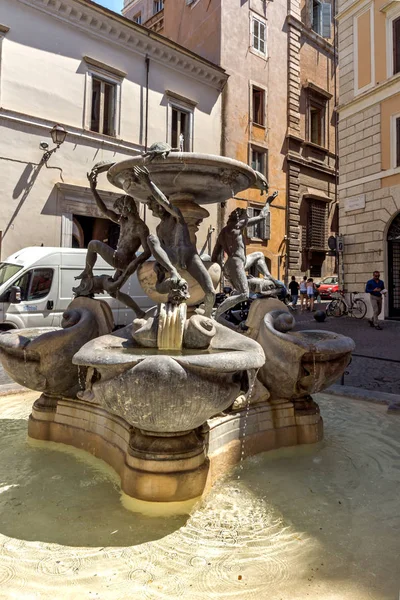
(393, 240)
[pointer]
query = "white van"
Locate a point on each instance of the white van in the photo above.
(46, 277)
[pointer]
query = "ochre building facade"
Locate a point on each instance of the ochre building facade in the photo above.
(276, 63)
(369, 144)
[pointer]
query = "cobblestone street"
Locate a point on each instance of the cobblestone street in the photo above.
(370, 373)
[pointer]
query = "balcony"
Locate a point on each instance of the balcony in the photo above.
(156, 22)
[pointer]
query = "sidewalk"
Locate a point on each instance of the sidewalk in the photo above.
(367, 373)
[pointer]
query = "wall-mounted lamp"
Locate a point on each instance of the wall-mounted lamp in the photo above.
(58, 135)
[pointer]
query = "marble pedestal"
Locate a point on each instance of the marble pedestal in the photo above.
(175, 468)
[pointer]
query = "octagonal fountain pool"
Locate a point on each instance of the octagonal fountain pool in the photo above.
(317, 521)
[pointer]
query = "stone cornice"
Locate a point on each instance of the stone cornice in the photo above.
(79, 135)
(115, 28)
(311, 35)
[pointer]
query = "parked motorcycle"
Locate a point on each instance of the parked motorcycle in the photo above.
(237, 315)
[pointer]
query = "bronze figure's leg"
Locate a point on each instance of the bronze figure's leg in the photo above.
(96, 247)
(162, 257)
(129, 302)
(197, 270)
(234, 271)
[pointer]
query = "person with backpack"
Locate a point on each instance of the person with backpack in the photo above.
(303, 293)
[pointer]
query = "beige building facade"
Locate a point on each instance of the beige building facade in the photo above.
(277, 112)
(369, 144)
(115, 89)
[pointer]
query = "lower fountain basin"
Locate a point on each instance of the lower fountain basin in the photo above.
(169, 393)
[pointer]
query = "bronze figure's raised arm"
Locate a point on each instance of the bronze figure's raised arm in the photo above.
(133, 234)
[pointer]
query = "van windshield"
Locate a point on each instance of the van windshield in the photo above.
(7, 271)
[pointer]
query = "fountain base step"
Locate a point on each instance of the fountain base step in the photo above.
(165, 469)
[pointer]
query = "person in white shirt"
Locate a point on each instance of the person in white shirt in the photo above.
(311, 289)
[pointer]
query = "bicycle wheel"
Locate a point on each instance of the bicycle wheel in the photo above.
(359, 309)
(335, 308)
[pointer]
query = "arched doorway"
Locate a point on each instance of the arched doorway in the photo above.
(393, 240)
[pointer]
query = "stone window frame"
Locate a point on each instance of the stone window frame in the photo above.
(178, 102)
(137, 18)
(263, 228)
(260, 88)
(318, 98)
(395, 142)
(99, 70)
(255, 17)
(392, 14)
(262, 149)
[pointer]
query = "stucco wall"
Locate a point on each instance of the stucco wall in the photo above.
(42, 82)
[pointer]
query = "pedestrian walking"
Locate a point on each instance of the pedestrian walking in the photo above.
(375, 288)
(294, 290)
(311, 289)
(303, 293)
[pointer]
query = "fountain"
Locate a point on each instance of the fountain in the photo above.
(167, 400)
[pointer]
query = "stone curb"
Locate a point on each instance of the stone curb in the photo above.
(392, 400)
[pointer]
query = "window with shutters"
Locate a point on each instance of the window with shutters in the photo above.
(260, 230)
(258, 106)
(259, 160)
(157, 6)
(396, 46)
(103, 106)
(259, 35)
(321, 18)
(316, 232)
(316, 117)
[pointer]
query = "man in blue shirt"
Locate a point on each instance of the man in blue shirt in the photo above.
(374, 288)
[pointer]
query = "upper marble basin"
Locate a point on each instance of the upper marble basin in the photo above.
(205, 177)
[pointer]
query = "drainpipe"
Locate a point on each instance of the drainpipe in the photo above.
(335, 57)
(146, 130)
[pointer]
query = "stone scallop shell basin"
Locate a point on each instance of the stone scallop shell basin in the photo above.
(167, 393)
(206, 178)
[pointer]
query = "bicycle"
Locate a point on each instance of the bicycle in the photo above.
(338, 307)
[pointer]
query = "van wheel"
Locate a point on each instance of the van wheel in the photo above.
(5, 327)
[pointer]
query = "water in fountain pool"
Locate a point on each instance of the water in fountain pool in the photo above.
(308, 522)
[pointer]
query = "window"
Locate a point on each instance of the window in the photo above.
(316, 225)
(396, 46)
(316, 120)
(258, 101)
(321, 18)
(316, 23)
(259, 161)
(180, 129)
(261, 230)
(35, 284)
(259, 35)
(103, 106)
(157, 6)
(7, 271)
(137, 18)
